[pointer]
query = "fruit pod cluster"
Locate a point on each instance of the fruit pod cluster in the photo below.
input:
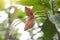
(30, 20)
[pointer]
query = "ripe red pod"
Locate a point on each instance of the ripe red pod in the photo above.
(29, 23)
(29, 12)
(30, 19)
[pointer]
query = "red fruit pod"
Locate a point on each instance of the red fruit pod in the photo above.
(29, 12)
(29, 23)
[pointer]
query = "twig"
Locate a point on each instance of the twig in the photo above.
(44, 7)
(17, 21)
(14, 23)
(7, 36)
(7, 32)
(8, 29)
(38, 12)
(52, 6)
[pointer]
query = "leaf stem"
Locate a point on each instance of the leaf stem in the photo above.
(52, 6)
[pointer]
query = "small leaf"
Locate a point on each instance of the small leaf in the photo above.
(29, 23)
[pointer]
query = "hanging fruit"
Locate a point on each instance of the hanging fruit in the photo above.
(29, 23)
(29, 12)
(30, 20)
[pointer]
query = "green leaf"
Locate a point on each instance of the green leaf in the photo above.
(47, 3)
(55, 19)
(35, 3)
(40, 14)
(1, 37)
(57, 4)
(29, 2)
(40, 17)
(14, 15)
(49, 30)
(17, 13)
(21, 14)
(37, 8)
(2, 4)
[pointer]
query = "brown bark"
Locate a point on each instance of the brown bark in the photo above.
(58, 36)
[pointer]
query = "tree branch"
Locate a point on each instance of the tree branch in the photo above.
(52, 6)
(8, 29)
(58, 36)
(38, 11)
(44, 7)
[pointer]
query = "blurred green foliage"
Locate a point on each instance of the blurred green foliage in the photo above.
(40, 17)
